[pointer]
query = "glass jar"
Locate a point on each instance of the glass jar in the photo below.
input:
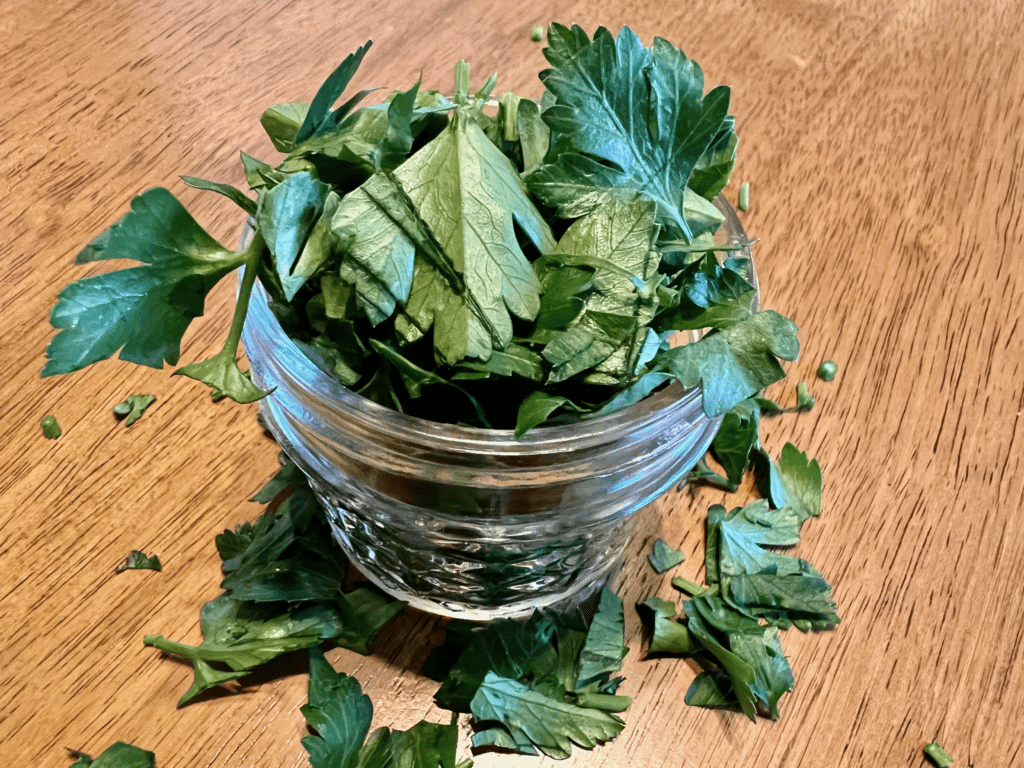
(471, 522)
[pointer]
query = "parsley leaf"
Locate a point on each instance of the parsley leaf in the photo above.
(664, 558)
(795, 482)
(550, 725)
(340, 713)
(605, 646)
(138, 560)
(143, 311)
(668, 635)
(133, 407)
(736, 362)
(626, 120)
(117, 755)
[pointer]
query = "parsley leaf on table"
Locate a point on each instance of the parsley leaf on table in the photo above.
(795, 482)
(664, 558)
(133, 407)
(117, 755)
(138, 560)
(548, 724)
(340, 713)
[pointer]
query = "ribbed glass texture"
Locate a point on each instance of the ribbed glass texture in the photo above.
(472, 522)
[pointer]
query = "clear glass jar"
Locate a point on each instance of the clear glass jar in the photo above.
(472, 522)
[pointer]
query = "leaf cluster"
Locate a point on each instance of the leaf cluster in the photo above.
(340, 714)
(283, 591)
(537, 685)
(499, 270)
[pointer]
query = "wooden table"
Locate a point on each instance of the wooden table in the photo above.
(883, 144)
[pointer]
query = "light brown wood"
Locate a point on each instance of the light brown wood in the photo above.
(883, 144)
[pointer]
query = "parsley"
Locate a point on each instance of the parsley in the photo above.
(51, 427)
(744, 201)
(138, 560)
(283, 592)
(664, 558)
(938, 755)
(133, 407)
(796, 482)
(537, 34)
(409, 247)
(117, 755)
(340, 714)
(827, 370)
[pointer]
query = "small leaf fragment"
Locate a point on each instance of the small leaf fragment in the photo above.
(138, 560)
(117, 755)
(795, 482)
(827, 370)
(133, 407)
(664, 558)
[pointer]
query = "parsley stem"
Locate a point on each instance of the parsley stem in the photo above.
(253, 253)
(603, 701)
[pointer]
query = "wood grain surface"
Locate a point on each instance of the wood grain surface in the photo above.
(884, 144)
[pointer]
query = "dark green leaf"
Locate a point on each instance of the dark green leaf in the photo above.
(712, 171)
(138, 560)
(425, 745)
(736, 438)
(222, 374)
(796, 482)
(318, 117)
(51, 427)
(627, 121)
(551, 725)
(338, 711)
(785, 600)
(734, 363)
(143, 311)
(605, 647)
(664, 558)
(535, 409)
(288, 475)
(712, 689)
(117, 755)
(742, 533)
(739, 669)
(133, 407)
(290, 212)
(236, 196)
(243, 637)
(668, 635)
(633, 394)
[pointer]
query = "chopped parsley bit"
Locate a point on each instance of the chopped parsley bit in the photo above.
(938, 755)
(827, 370)
(51, 429)
(137, 560)
(744, 196)
(537, 34)
(133, 407)
(664, 558)
(804, 400)
(118, 755)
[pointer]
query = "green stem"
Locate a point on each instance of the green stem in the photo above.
(687, 586)
(253, 253)
(604, 701)
(161, 642)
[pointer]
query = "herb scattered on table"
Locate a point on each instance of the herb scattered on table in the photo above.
(664, 558)
(938, 755)
(827, 370)
(117, 755)
(283, 591)
(744, 201)
(138, 560)
(51, 428)
(505, 270)
(539, 685)
(537, 34)
(340, 714)
(133, 407)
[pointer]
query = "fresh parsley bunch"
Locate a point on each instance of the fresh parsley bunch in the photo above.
(499, 270)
